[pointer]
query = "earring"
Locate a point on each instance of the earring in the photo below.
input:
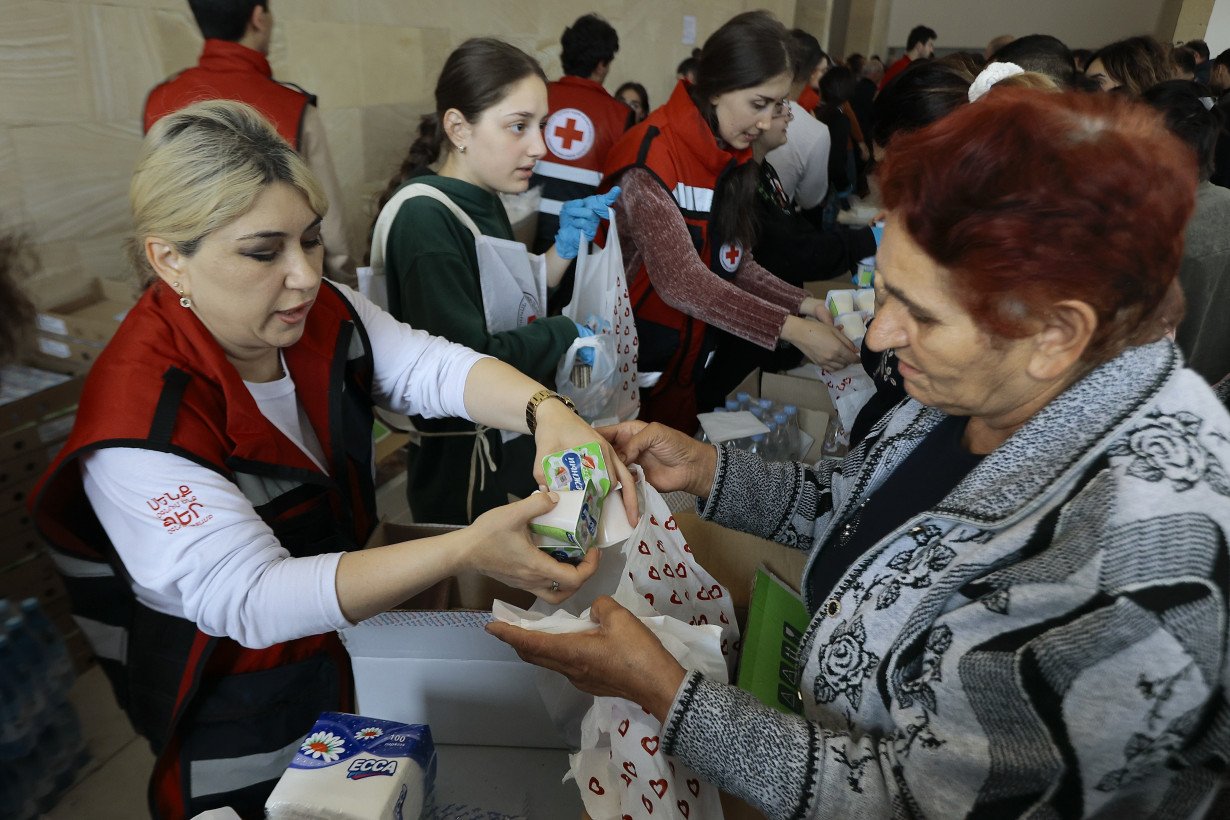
(461, 148)
(184, 301)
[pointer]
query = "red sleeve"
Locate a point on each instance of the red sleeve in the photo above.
(651, 229)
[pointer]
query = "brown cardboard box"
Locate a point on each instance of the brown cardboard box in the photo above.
(91, 317)
(19, 545)
(33, 578)
(38, 406)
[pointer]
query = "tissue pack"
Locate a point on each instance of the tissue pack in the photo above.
(572, 523)
(570, 469)
(351, 767)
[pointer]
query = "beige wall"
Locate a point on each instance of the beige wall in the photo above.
(73, 77)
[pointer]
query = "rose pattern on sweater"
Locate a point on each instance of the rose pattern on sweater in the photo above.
(913, 568)
(845, 663)
(1168, 448)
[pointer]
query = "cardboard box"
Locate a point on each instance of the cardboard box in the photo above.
(18, 546)
(33, 578)
(93, 316)
(438, 666)
(63, 352)
(809, 395)
(32, 394)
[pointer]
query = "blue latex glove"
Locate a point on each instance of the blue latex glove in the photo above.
(579, 219)
(877, 230)
(586, 354)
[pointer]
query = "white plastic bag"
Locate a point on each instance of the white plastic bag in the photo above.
(654, 575)
(594, 399)
(600, 301)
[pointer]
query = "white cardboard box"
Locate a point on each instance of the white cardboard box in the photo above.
(433, 663)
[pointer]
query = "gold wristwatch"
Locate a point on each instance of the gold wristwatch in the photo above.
(531, 408)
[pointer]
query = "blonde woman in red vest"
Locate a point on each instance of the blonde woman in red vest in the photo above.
(686, 222)
(208, 506)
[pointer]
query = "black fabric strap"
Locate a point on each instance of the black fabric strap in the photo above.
(174, 383)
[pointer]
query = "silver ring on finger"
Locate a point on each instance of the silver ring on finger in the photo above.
(555, 586)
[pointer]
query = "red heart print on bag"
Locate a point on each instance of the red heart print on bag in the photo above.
(702, 620)
(675, 598)
(649, 597)
(623, 728)
(725, 649)
(653, 573)
(625, 385)
(596, 787)
(658, 786)
(660, 547)
(642, 548)
(653, 520)
(650, 744)
(694, 786)
(627, 781)
(702, 594)
(722, 617)
(630, 767)
(667, 571)
(627, 312)
(687, 547)
(645, 802)
(681, 570)
(684, 808)
(670, 524)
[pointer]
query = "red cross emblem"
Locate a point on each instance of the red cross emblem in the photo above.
(730, 254)
(569, 134)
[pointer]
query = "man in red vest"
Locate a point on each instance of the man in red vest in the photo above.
(583, 123)
(234, 66)
(920, 45)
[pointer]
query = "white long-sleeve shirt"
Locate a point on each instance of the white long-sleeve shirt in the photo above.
(224, 570)
(802, 163)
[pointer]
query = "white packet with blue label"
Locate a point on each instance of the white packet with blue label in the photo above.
(351, 767)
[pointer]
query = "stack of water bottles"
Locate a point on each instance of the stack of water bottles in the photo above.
(41, 745)
(783, 441)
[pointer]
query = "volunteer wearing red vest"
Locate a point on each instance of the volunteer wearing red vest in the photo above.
(920, 45)
(234, 65)
(583, 123)
(206, 507)
(686, 222)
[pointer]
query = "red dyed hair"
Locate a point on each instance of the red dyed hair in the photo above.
(1031, 198)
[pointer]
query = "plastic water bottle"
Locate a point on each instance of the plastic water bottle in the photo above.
(59, 665)
(732, 406)
(793, 437)
(744, 399)
(758, 443)
(29, 661)
(17, 714)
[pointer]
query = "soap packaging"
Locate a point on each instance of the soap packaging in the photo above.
(351, 767)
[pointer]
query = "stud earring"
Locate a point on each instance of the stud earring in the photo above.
(461, 148)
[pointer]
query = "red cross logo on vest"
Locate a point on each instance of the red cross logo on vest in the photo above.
(569, 134)
(730, 255)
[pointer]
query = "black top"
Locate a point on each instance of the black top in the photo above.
(931, 472)
(839, 148)
(792, 248)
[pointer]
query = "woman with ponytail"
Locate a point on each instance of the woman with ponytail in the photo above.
(485, 135)
(686, 220)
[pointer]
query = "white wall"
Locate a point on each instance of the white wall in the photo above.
(1083, 24)
(1218, 34)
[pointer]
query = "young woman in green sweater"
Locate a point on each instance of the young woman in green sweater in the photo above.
(483, 140)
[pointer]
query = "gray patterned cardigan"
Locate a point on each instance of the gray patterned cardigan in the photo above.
(1049, 641)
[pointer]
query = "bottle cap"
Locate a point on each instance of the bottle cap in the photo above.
(780, 418)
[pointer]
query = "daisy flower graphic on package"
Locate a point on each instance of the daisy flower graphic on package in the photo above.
(368, 733)
(324, 746)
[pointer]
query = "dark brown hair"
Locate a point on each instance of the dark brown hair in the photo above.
(748, 50)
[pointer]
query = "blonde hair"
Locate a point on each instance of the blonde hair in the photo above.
(203, 167)
(1030, 79)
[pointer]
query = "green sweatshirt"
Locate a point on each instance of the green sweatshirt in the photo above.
(433, 279)
(433, 284)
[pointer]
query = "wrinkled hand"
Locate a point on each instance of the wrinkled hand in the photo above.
(621, 658)
(586, 354)
(501, 549)
(559, 428)
(579, 220)
(671, 460)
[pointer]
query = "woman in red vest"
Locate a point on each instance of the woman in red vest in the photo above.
(686, 221)
(208, 507)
